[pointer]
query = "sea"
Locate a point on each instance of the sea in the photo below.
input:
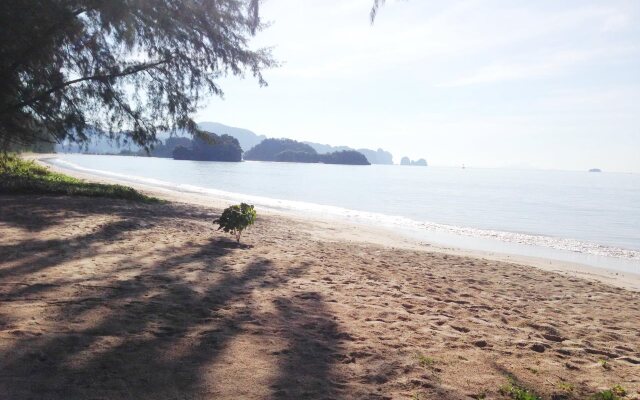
(574, 216)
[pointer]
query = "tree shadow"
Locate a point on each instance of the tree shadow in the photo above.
(36, 213)
(154, 334)
(33, 256)
(226, 243)
(313, 339)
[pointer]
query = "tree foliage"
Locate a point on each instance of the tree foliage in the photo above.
(236, 219)
(129, 68)
(374, 9)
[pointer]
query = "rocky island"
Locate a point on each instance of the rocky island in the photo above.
(406, 161)
(288, 150)
(206, 147)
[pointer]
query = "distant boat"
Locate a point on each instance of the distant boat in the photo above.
(595, 170)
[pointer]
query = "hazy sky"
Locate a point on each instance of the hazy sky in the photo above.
(545, 84)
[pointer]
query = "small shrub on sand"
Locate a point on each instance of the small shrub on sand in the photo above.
(236, 219)
(18, 176)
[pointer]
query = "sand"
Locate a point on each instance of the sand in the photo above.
(108, 299)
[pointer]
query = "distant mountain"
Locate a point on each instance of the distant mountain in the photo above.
(379, 156)
(326, 148)
(97, 144)
(166, 149)
(406, 161)
(347, 157)
(281, 150)
(287, 150)
(212, 147)
(247, 138)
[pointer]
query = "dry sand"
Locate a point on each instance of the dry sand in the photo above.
(106, 299)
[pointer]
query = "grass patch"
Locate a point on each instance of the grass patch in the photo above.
(517, 392)
(615, 393)
(619, 391)
(18, 176)
(425, 361)
(566, 386)
(605, 395)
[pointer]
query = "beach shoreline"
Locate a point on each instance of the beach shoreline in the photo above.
(330, 228)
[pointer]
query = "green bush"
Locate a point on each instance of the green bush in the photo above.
(236, 219)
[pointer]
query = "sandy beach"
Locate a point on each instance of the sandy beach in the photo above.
(109, 299)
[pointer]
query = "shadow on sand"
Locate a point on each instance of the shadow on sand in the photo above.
(141, 328)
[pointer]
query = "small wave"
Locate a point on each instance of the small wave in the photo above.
(377, 219)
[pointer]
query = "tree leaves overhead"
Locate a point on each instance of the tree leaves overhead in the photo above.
(374, 9)
(128, 68)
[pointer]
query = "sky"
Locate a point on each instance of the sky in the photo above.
(521, 84)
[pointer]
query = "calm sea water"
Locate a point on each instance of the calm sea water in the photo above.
(579, 216)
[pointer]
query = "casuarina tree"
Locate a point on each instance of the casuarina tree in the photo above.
(124, 68)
